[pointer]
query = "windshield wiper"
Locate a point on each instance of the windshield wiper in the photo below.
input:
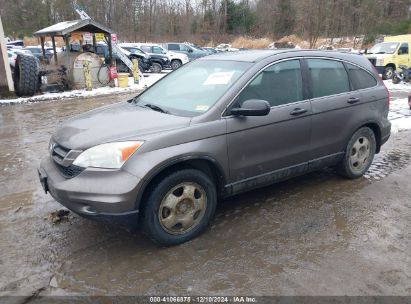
(155, 108)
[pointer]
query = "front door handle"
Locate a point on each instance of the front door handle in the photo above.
(298, 111)
(353, 100)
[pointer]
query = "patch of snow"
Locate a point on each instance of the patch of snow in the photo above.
(399, 115)
(402, 86)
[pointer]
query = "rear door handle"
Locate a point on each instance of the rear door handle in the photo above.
(353, 100)
(298, 111)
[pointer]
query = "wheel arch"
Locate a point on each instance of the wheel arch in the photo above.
(375, 127)
(391, 65)
(155, 60)
(206, 164)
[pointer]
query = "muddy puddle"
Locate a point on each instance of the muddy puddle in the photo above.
(304, 236)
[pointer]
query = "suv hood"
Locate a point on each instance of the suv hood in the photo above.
(121, 121)
(378, 56)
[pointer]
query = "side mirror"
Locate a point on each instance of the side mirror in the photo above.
(252, 107)
(190, 50)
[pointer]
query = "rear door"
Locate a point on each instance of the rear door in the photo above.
(273, 147)
(335, 108)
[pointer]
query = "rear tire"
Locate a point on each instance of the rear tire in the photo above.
(156, 68)
(179, 207)
(26, 75)
(359, 154)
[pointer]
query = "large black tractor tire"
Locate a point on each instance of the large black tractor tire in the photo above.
(26, 75)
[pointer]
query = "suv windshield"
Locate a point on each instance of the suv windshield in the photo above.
(384, 48)
(194, 88)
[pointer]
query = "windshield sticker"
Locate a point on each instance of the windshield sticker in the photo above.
(218, 78)
(201, 108)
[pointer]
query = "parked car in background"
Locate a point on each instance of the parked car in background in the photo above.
(387, 56)
(210, 50)
(176, 59)
(144, 61)
(14, 43)
(224, 47)
(167, 156)
(347, 50)
(189, 50)
(12, 58)
(159, 62)
(19, 50)
(37, 52)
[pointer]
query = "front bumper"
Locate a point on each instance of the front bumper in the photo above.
(101, 194)
(380, 69)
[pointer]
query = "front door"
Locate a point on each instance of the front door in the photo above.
(264, 149)
(403, 55)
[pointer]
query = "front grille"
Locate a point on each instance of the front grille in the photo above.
(63, 163)
(373, 61)
(59, 153)
(70, 171)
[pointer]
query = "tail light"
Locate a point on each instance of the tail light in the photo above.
(389, 96)
(388, 92)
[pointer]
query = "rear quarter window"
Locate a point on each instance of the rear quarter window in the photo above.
(360, 79)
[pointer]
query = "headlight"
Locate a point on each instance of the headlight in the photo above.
(110, 156)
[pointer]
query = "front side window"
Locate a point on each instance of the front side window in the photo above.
(184, 48)
(360, 79)
(157, 50)
(328, 77)
(403, 50)
(194, 88)
(136, 50)
(279, 84)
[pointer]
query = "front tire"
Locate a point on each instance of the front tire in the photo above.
(180, 207)
(175, 64)
(359, 154)
(156, 68)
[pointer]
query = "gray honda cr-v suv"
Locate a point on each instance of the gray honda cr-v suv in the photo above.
(218, 126)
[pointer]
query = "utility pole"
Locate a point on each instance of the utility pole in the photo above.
(6, 81)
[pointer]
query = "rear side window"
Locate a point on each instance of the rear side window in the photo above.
(173, 47)
(360, 79)
(279, 84)
(328, 77)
